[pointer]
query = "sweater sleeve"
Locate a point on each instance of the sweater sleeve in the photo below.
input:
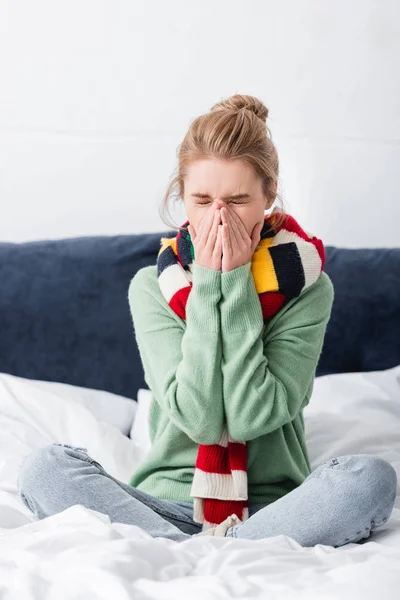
(182, 363)
(265, 382)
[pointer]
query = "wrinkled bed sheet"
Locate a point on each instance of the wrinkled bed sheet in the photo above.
(79, 553)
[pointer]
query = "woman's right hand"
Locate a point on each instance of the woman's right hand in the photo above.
(207, 240)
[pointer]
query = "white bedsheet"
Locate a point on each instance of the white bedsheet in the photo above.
(78, 553)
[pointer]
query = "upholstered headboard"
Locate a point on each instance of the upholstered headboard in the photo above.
(64, 313)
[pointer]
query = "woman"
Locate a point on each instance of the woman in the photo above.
(230, 325)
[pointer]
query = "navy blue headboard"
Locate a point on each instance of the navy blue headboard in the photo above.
(64, 313)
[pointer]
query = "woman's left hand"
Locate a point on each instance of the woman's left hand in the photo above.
(237, 246)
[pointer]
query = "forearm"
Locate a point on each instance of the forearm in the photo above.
(182, 363)
(264, 382)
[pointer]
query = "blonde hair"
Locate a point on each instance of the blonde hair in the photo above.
(234, 128)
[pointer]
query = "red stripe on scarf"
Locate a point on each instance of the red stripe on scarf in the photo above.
(213, 458)
(271, 302)
(178, 301)
(216, 511)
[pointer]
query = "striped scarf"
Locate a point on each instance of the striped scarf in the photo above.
(284, 264)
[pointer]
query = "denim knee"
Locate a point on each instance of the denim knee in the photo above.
(39, 462)
(376, 478)
(383, 476)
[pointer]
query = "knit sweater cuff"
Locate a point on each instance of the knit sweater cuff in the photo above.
(203, 301)
(208, 279)
(240, 303)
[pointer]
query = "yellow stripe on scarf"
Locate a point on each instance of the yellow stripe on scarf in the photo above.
(262, 268)
(165, 243)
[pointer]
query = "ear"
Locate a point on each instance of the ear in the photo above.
(268, 200)
(268, 203)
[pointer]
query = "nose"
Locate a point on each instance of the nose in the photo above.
(219, 203)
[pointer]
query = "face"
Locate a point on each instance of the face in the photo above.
(219, 182)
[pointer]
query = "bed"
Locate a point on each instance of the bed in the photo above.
(70, 373)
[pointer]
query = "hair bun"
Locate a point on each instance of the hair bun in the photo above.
(238, 102)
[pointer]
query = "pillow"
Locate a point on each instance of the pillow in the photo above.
(140, 427)
(105, 406)
(355, 413)
(34, 414)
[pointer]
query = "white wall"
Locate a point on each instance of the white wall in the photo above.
(96, 95)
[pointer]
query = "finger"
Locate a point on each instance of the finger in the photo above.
(218, 243)
(227, 230)
(214, 230)
(240, 228)
(237, 237)
(192, 232)
(226, 238)
(206, 224)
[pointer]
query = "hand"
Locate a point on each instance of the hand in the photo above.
(237, 246)
(207, 242)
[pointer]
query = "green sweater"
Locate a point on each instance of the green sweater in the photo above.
(223, 367)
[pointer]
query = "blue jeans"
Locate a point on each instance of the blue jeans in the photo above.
(341, 501)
